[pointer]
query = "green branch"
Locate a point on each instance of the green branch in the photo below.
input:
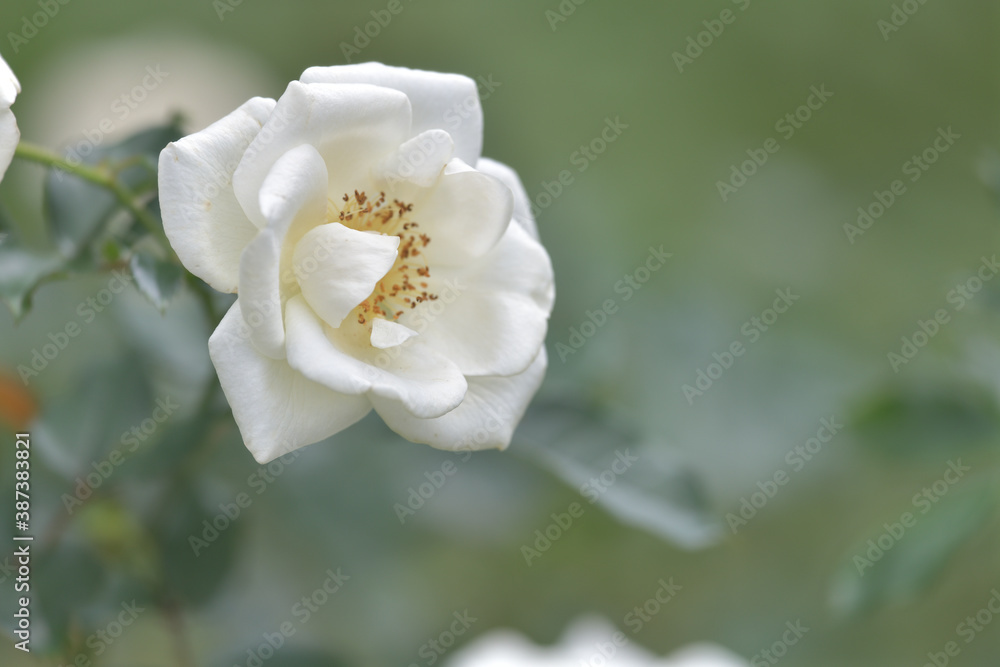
(98, 175)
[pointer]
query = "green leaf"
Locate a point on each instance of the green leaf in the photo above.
(655, 492)
(22, 271)
(921, 420)
(67, 581)
(196, 557)
(910, 559)
(79, 428)
(77, 210)
(157, 280)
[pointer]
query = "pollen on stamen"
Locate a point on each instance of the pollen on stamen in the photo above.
(396, 292)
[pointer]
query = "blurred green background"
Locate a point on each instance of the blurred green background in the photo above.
(333, 507)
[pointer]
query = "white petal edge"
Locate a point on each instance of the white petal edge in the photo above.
(486, 419)
(294, 193)
(354, 127)
(522, 204)
(419, 160)
(466, 213)
(9, 85)
(386, 334)
(494, 313)
(10, 135)
(339, 267)
(277, 410)
(202, 219)
(440, 101)
(425, 383)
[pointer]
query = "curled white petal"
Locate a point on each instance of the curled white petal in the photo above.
(339, 267)
(10, 135)
(277, 409)
(386, 334)
(427, 384)
(204, 222)
(447, 102)
(294, 193)
(486, 419)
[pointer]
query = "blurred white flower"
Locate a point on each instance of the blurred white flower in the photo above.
(9, 134)
(589, 641)
(380, 262)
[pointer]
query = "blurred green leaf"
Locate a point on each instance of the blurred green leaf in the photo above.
(77, 210)
(654, 490)
(900, 562)
(158, 280)
(78, 429)
(197, 542)
(22, 271)
(911, 420)
(66, 581)
(286, 657)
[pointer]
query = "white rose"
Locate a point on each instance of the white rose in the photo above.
(590, 641)
(9, 134)
(380, 262)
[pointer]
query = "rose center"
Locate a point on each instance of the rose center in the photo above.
(405, 285)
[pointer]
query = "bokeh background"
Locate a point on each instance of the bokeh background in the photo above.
(555, 84)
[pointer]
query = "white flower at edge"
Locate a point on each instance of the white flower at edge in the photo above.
(380, 261)
(589, 641)
(9, 134)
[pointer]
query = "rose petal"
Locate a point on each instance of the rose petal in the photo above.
(486, 419)
(353, 127)
(424, 383)
(440, 101)
(9, 138)
(9, 85)
(522, 204)
(205, 224)
(294, 193)
(465, 214)
(419, 160)
(276, 409)
(338, 268)
(386, 334)
(495, 311)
